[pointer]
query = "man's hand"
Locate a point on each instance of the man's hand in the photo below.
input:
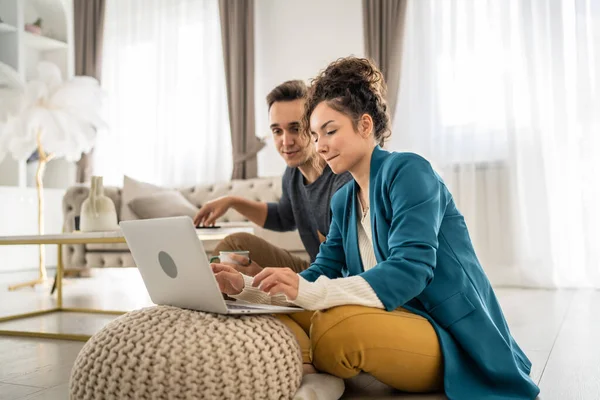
(211, 211)
(245, 266)
(230, 281)
(278, 280)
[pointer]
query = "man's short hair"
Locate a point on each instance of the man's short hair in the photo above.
(288, 91)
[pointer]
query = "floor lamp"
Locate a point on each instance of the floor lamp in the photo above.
(56, 118)
(39, 184)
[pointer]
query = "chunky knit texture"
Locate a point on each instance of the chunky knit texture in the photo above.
(170, 353)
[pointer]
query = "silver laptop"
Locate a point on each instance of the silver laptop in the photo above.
(176, 269)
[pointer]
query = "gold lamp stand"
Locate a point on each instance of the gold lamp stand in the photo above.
(39, 183)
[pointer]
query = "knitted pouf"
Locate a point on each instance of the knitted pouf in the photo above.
(170, 353)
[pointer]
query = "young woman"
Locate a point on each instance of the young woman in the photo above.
(399, 291)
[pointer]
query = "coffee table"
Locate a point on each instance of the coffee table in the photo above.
(83, 238)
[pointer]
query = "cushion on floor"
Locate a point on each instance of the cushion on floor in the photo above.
(171, 353)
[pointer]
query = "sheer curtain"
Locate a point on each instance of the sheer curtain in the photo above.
(163, 72)
(504, 98)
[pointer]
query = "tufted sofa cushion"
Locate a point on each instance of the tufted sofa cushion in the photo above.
(117, 255)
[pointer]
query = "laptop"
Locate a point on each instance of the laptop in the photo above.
(176, 269)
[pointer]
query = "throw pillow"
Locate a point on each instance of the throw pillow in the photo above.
(162, 205)
(133, 189)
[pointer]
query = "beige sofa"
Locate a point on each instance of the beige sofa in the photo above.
(117, 255)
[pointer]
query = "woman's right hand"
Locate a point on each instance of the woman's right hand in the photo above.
(211, 211)
(230, 281)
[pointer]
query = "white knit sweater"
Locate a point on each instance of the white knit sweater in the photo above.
(324, 292)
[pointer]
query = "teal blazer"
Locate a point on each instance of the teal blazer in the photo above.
(427, 264)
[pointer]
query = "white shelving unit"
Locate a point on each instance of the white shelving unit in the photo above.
(22, 50)
(43, 43)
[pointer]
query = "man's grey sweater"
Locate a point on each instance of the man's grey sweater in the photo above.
(305, 207)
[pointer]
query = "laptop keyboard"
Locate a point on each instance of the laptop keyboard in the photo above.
(240, 307)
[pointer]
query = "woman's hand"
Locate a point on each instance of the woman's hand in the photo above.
(245, 265)
(278, 280)
(230, 281)
(211, 211)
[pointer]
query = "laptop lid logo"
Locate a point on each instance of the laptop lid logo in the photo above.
(167, 264)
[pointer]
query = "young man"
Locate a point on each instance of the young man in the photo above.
(307, 187)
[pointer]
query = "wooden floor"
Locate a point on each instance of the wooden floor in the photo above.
(559, 331)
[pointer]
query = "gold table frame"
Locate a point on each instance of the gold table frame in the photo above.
(81, 238)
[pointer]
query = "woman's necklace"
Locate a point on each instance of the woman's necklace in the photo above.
(363, 204)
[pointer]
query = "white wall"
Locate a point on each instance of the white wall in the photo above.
(18, 216)
(295, 40)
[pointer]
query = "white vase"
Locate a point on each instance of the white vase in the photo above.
(98, 212)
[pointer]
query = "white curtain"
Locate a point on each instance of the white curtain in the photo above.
(167, 104)
(504, 98)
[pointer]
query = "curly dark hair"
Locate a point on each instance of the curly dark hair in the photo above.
(353, 86)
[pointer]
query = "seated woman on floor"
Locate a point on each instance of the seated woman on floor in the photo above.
(398, 289)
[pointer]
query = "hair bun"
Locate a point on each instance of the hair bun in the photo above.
(354, 86)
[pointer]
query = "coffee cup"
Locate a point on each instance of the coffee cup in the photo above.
(224, 256)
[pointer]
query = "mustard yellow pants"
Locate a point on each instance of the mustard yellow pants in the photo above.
(398, 348)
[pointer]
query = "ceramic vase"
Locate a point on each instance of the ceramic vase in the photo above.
(98, 212)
